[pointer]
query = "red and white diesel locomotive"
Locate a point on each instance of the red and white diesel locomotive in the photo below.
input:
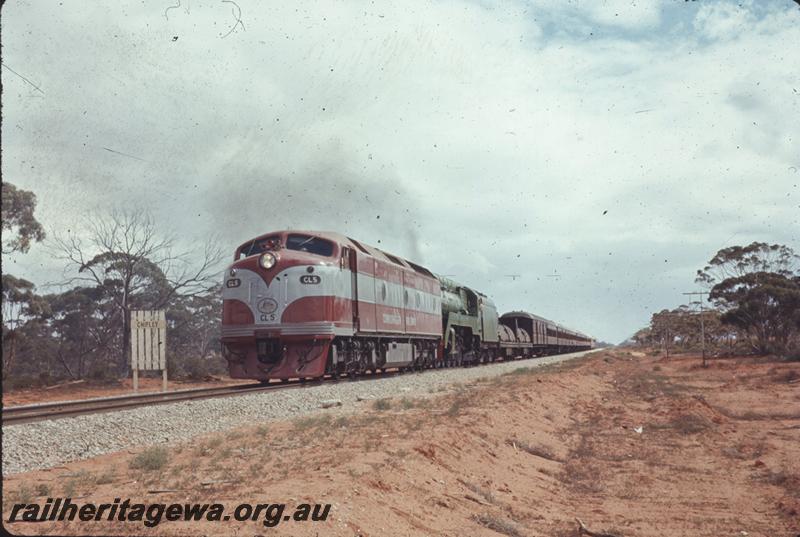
(301, 304)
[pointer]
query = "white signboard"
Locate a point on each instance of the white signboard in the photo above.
(148, 343)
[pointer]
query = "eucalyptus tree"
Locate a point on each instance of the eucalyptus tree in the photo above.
(139, 265)
(20, 227)
(757, 289)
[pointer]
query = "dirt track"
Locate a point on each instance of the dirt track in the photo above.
(518, 455)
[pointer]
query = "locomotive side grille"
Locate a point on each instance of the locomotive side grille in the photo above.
(288, 329)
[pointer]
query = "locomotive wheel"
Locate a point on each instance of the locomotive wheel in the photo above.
(284, 381)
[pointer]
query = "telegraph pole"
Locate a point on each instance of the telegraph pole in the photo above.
(702, 324)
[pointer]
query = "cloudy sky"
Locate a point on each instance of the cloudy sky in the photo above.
(602, 151)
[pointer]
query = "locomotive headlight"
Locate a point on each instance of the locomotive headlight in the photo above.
(267, 260)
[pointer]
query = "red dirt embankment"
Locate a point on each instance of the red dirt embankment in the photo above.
(630, 444)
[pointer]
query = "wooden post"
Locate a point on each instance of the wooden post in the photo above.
(133, 317)
(162, 347)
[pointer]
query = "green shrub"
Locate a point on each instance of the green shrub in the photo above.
(152, 458)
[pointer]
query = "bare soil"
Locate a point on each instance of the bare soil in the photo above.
(631, 444)
(72, 391)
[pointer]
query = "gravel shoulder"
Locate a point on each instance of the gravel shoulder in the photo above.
(46, 444)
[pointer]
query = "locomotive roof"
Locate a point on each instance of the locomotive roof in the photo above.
(358, 245)
(526, 315)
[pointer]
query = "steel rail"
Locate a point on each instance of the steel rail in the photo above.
(13, 415)
(62, 409)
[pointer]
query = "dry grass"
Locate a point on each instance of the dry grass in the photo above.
(235, 435)
(341, 422)
(382, 404)
(788, 481)
(480, 491)
(498, 524)
(536, 450)
(309, 423)
(744, 451)
(151, 459)
(213, 443)
(519, 371)
(784, 375)
(687, 424)
(580, 472)
(106, 478)
(81, 481)
(24, 494)
(582, 476)
(463, 399)
(408, 403)
(456, 407)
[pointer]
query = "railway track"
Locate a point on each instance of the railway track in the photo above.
(62, 409)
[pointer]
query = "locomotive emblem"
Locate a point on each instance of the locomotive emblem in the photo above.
(267, 305)
(310, 279)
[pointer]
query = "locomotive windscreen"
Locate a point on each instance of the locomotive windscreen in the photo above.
(312, 245)
(260, 246)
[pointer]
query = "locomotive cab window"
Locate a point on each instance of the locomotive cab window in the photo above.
(260, 246)
(310, 244)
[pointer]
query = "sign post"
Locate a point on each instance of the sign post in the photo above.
(148, 344)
